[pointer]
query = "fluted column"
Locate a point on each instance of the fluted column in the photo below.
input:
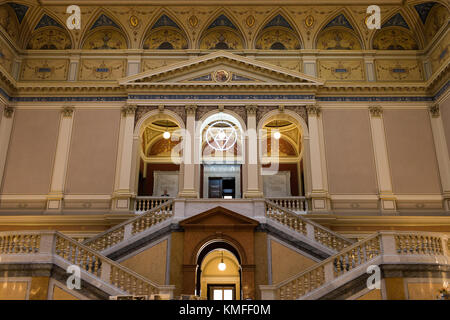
(319, 189)
(6, 126)
(253, 189)
(56, 194)
(123, 185)
(441, 152)
(386, 194)
(189, 190)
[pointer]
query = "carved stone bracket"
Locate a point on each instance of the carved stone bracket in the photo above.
(67, 111)
(434, 111)
(376, 111)
(8, 112)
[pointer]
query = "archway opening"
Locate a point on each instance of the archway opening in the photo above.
(160, 156)
(282, 157)
(221, 156)
(218, 274)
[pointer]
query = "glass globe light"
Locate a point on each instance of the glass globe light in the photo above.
(277, 135)
(166, 135)
(222, 266)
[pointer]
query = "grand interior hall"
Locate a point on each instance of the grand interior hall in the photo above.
(224, 150)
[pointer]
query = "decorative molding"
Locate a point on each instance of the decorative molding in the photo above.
(434, 111)
(251, 109)
(190, 109)
(313, 110)
(67, 111)
(161, 108)
(129, 110)
(376, 111)
(8, 112)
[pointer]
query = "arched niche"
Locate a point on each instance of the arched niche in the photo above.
(394, 38)
(165, 34)
(49, 34)
(104, 34)
(278, 34)
(222, 34)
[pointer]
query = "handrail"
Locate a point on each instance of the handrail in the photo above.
(381, 243)
(293, 203)
(146, 203)
(131, 227)
(306, 227)
(75, 253)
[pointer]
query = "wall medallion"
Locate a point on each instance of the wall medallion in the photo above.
(134, 21)
(250, 21)
(221, 76)
(193, 21)
(309, 21)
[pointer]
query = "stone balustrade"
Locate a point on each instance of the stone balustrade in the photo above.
(144, 204)
(379, 248)
(296, 204)
(306, 227)
(54, 247)
(132, 227)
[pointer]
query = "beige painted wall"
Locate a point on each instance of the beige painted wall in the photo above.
(424, 291)
(13, 290)
(60, 294)
(151, 263)
(31, 152)
(445, 114)
(287, 262)
(93, 152)
(371, 295)
(349, 152)
(411, 152)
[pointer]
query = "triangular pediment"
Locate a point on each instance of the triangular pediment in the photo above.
(218, 216)
(221, 68)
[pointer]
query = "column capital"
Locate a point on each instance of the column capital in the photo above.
(251, 109)
(67, 111)
(161, 108)
(376, 111)
(190, 109)
(129, 110)
(434, 110)
(313, 110)
(8, 111)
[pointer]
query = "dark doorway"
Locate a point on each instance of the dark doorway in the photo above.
(221, 187)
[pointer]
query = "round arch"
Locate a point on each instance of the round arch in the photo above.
(156, 115)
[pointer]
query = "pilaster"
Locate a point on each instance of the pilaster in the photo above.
(6, 126)
(253, 189)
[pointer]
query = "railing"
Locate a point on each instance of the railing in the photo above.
(54, 245)
(144, 204)
(380, 247)
(131, 227)
(305, 227)
(296, 204)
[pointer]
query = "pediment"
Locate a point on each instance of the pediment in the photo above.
(221, 68)
(218, 216)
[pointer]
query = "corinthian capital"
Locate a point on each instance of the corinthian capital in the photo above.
(129, 110)
(376, 111)
(67, 111)
(313, 110)
(251, 109)
(190, 109)
(8, 111)
(434, 111)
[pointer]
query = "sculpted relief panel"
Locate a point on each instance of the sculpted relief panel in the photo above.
(44, 70)
(395, 70)
(50, 39)
(341, 70)
(102, 69)
(338, 39)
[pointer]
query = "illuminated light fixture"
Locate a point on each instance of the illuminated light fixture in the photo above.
(166, 135)
(222, 265)
(277, 134)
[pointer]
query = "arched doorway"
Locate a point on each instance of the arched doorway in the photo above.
(222, 144)
(218, 274)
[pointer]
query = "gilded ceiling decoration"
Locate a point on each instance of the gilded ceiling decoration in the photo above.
(105, 39)
(396, 20)
(165, 38)
(394, 70)
(435, 20)
(338, 38)
(341, 70)
(163, 148)
(285, 149)
(50, 38)
(102, 69)
(277, 38)
(52, 69)
(20, 10)
(394, 38)
(9, 22)
(221, 39)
